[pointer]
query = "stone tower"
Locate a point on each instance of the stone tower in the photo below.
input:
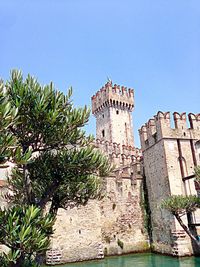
(169, 157)
(112, 107)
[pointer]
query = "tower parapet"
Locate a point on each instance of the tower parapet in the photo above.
(119, 155)
(194, 121)
(159, 127)
(180, 120)
(113, 95)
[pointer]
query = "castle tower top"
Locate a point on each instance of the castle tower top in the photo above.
(160, 127)
(110, 95)
(112, 106)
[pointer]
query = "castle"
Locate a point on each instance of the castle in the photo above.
(164, 166)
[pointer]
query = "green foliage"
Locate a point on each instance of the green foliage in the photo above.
(120, 243)
(144, 203)
(25, 230)
(46, 117)
(11, 260)
(71, 177)
(7, 117)
(56, 163)
(197, 174)
(181, 204)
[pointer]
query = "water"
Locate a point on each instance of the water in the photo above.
(140, 260)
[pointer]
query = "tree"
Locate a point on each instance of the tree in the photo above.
(56, 163)
(180, 205)
(25, 231)
(7, 116)
(22, 229)
(197, 175)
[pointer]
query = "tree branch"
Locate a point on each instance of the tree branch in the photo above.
(186, 229)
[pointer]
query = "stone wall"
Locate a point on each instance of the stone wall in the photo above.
(111, 226)
(158, 189)
(77, 233)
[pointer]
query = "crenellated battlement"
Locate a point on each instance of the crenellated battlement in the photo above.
(185, 127)
(194, 121)
(180, 120)
(113, 95)
(119, 155)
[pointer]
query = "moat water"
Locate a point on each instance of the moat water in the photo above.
(140, 260)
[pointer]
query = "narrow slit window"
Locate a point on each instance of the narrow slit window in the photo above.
(103, 133)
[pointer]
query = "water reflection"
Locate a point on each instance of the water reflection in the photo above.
(164, 261)
(141, 260)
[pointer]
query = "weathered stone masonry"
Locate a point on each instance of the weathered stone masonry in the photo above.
(169, 157)
(112, 107)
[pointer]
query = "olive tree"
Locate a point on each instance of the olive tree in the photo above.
(180, 205)
(56, 163)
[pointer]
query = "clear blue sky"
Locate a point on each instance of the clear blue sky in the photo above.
(150, 45)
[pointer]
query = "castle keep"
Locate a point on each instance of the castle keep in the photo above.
(117, 224)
